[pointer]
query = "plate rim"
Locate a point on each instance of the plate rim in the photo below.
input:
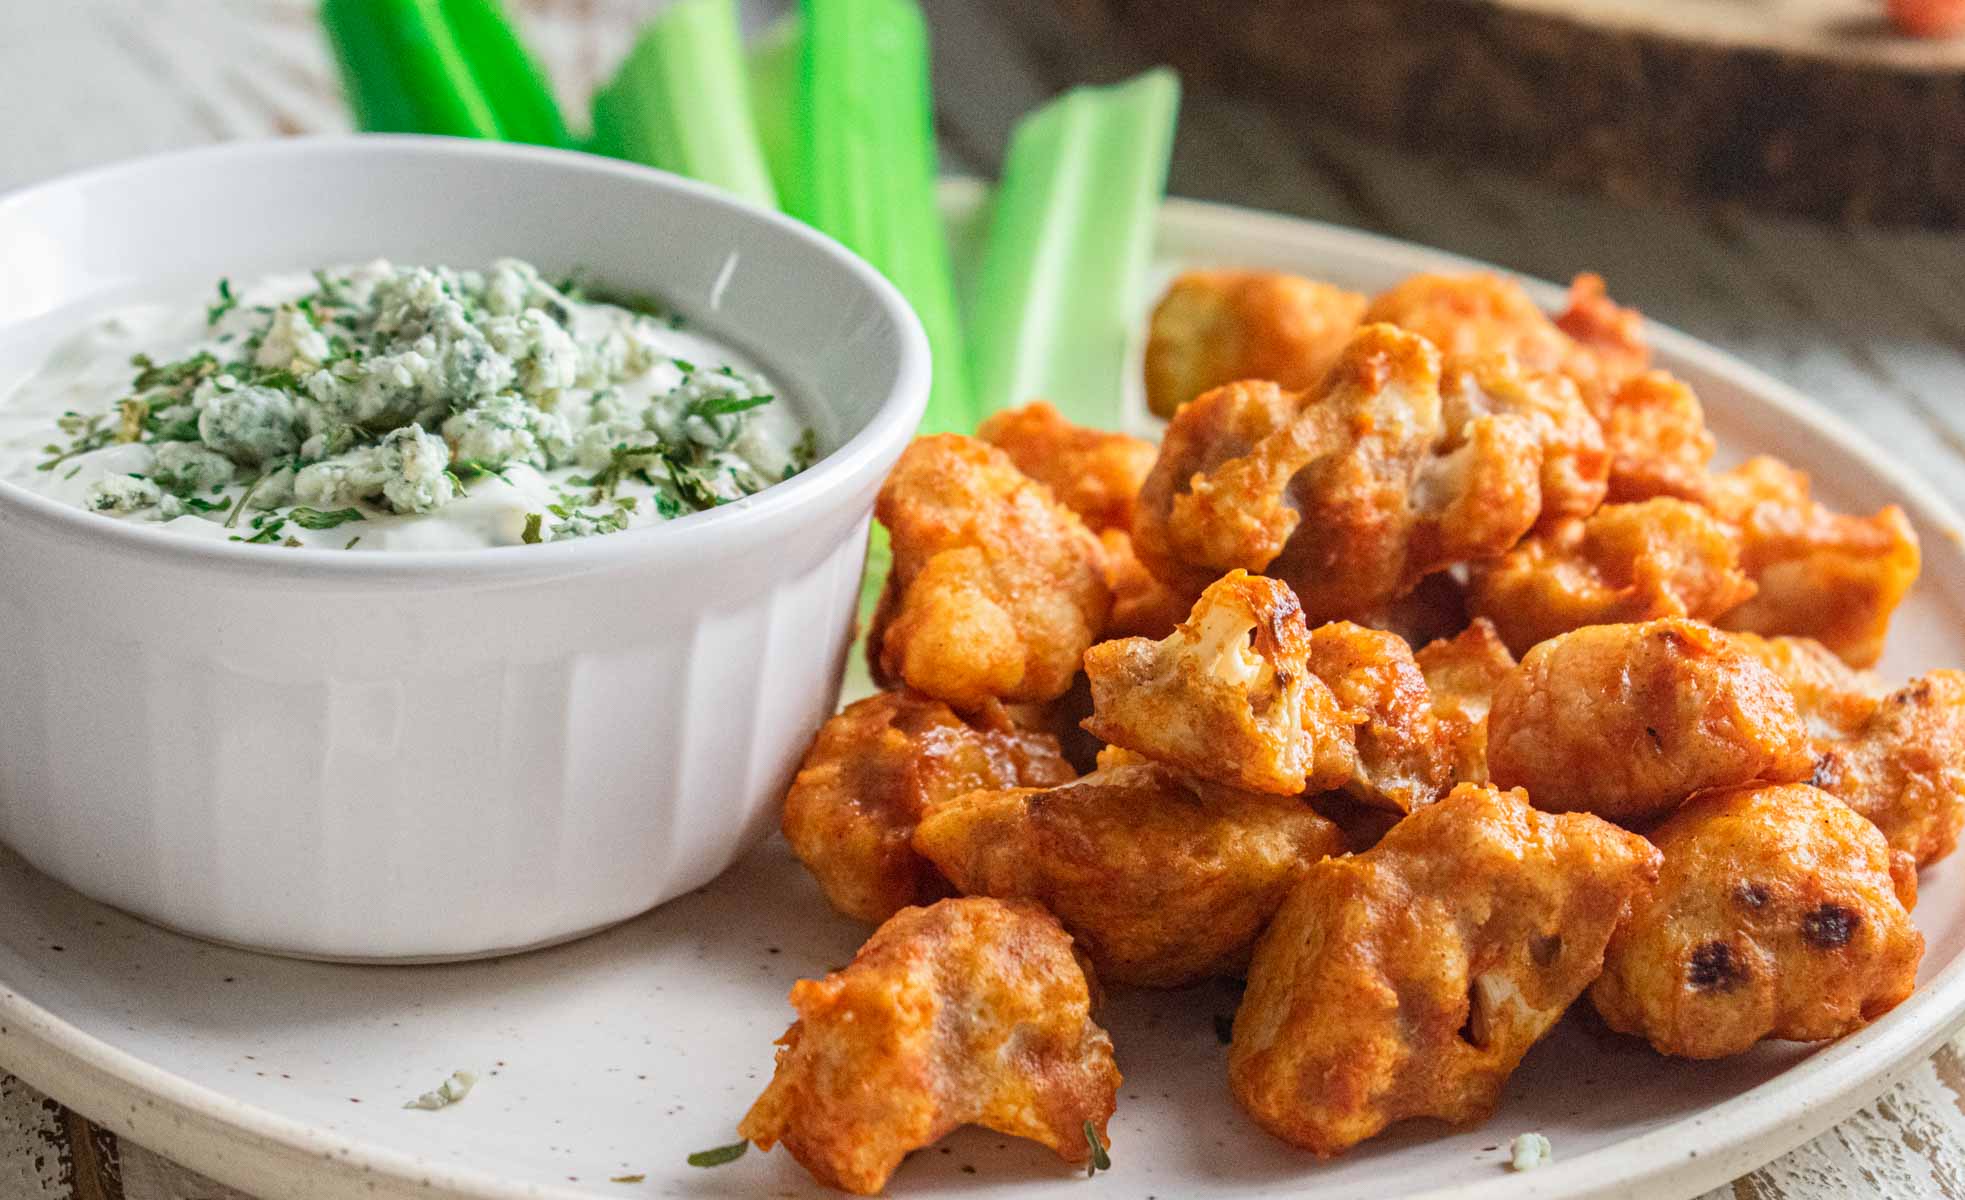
(247, 1146)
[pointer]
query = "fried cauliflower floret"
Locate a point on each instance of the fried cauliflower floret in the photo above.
(1462, 673)
(997, 589)
(1472, 315)
(1093, 473)
(1624, 562)
(1214, 327)
(1659, 446)
(1820, 574)
(1779, 913)
(967, 1012)
(1607, 331)
(1161, 880)
(1575, 463)
(1228, 697)
(1833, 698)
(1351, 495)
(1904, 767)
(1142, 604)
(871, 772)
(1408, 981)
(1404, 757)
(1626, 721)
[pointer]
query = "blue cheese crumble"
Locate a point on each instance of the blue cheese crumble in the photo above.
(441, 408)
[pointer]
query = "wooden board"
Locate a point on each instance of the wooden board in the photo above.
(1815, 107)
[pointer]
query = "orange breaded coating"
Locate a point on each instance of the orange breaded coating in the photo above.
(1462, 673)
(1904, 768)
(1481, 313)
(1192, 524)
(1142, 604)
(1408, 981)
(1779, 913)
(1659, 446)
(1575, 463)
(1091, 472)
(1624, 562)
(967, 1012)
(1352, 495)
(871, 772)
(1228, 697)
(1610, 333)
(1821, 574)
(997, 589)
(1215, 327)
(1833, 698)
(1405, 758)
(1626, 721)
(1160, 879)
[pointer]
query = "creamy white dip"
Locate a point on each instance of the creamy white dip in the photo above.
(381, 407)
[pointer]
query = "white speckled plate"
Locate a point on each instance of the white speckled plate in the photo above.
(616, 1057)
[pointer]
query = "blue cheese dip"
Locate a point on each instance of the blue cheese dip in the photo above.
(384, 407)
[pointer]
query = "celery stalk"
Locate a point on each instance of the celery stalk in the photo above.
(679, 102)
(404, 71)
(865, 168)
(773, 58)
(1070, 234)
(506, 74)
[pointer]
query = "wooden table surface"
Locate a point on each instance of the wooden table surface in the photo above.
(1869, 324)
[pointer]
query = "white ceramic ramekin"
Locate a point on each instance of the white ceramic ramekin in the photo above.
(431, 755)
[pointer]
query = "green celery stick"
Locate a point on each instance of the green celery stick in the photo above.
(773, 58)
(679, 102)
(506, 74)
(403, 70)
(865, 168)
(1070, 233)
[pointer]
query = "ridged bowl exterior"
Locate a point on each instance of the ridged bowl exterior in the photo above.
(403, 756)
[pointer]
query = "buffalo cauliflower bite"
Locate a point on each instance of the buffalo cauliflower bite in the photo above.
(1779, 913)
(1626, 721)
(1904, 767)
(1091, 472)
(1229, 696)
(1162, 880)
(1656, 432)
(1820, 573)
(1833, 698)
(1214, 327)
(1478, 314)
(996, 590)
(1408, 981)
(871, 772)
(967, 1012)
(1605, 330)
(1351, 495)
(1462, 673)
(1575, 464)
(1624, 562)
(1404, 756)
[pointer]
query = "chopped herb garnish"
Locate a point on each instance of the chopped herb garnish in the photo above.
(1101, 1161)
(684, 365)
(627, 1178)
(226, 303)
(314, 518)
(352, 541)
(265, 537)
(200, 504)
(721, 1155)
(533, 521)
(471, 468)
(723, 406)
